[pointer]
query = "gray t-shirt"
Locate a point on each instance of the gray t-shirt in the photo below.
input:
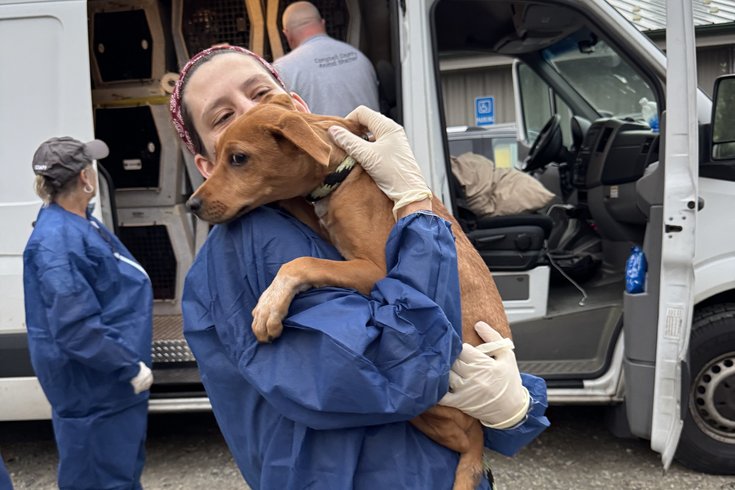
(331, 76)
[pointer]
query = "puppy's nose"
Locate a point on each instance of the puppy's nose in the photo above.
(194, 204)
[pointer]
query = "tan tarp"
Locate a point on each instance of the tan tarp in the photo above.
(494, 191)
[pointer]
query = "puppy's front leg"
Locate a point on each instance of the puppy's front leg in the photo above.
(302, 274)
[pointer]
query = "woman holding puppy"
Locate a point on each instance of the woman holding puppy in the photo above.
(328, 403)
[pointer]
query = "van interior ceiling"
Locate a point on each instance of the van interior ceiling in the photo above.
(507, 28)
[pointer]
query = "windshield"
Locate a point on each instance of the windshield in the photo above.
(599, 75)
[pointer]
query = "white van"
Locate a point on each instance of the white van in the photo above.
(580, 72)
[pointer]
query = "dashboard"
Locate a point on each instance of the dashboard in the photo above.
(611, 159)
(614, 152)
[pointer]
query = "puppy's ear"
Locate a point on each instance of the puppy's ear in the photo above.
(280, 99)
(294, 128)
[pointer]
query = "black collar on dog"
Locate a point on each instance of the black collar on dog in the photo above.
(332, 180)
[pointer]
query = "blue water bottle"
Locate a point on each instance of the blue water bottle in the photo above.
(635, 271)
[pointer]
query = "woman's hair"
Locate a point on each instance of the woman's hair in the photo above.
(180, 115)
(49, 189)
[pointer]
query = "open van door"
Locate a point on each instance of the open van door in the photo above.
(680, 161)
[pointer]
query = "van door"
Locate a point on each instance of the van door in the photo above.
(44, 92)
(680, 141)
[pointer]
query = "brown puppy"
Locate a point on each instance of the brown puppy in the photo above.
(274, 153)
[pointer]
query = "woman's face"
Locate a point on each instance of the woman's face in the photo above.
(222, 89)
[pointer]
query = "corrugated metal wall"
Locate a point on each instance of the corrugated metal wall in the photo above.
(711, 63)
(461, 87)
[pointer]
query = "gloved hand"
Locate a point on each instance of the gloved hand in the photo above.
(143, 380)
(485, 382)
(388, 160)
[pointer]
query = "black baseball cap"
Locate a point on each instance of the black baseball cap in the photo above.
(62, 158)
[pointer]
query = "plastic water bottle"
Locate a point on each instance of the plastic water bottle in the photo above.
(635, 271)
(649, 111)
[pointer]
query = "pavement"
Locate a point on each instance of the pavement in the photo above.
(187, 452)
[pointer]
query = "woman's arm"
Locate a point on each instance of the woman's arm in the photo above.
(344, 359)
(509, 441)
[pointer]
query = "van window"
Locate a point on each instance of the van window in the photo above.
(539, 103)
(505, 153)
(502, 151)
(599, 74)
(566, 119)
(458, 147)
(536, 100)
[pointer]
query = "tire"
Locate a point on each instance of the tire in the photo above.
(707, 441)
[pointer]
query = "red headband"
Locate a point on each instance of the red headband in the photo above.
(175, 103)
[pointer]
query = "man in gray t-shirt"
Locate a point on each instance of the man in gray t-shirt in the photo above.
(331, 76)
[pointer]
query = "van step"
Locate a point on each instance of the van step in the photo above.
(570, 369)
(168, 340)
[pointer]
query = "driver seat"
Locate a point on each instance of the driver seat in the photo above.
(505, 243)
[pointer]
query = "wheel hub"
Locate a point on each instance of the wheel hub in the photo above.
(712, 402)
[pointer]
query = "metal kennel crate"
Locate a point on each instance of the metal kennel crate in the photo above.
(200, 24)
(162, 240)
(145, 161)
(127, 46)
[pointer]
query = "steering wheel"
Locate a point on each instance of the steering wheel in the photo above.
(546, 147)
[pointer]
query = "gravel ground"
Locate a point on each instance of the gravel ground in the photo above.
(187, 452)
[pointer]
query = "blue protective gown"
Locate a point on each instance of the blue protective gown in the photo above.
(89, 316)
(326, 405)
(5, 483)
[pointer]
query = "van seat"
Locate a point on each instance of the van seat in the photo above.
(505, 243)
(511, 243)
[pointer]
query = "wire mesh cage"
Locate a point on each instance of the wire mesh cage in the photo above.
(162, 240)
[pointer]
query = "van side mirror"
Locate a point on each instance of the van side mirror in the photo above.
(723, 119)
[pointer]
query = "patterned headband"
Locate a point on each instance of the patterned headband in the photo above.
(175, 103)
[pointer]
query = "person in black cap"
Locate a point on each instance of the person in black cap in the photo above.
(89, 309)
(56, 163)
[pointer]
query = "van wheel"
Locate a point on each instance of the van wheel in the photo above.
(708, 438)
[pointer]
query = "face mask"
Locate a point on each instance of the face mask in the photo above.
(90, 207)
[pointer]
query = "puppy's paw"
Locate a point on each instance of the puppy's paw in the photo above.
(270, 311)
(266, 326)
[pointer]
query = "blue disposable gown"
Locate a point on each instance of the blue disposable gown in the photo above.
(89, 317)
(5, 483)
(326, 405)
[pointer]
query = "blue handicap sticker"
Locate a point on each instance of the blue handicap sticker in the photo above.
(484, 111)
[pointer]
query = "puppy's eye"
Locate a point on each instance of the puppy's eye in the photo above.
(238, 159)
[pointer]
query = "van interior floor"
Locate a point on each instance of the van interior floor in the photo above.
(572, 342)
(564, 298)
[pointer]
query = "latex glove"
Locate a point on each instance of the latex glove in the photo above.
(388, 160)
(143, 380)
(485, 382)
